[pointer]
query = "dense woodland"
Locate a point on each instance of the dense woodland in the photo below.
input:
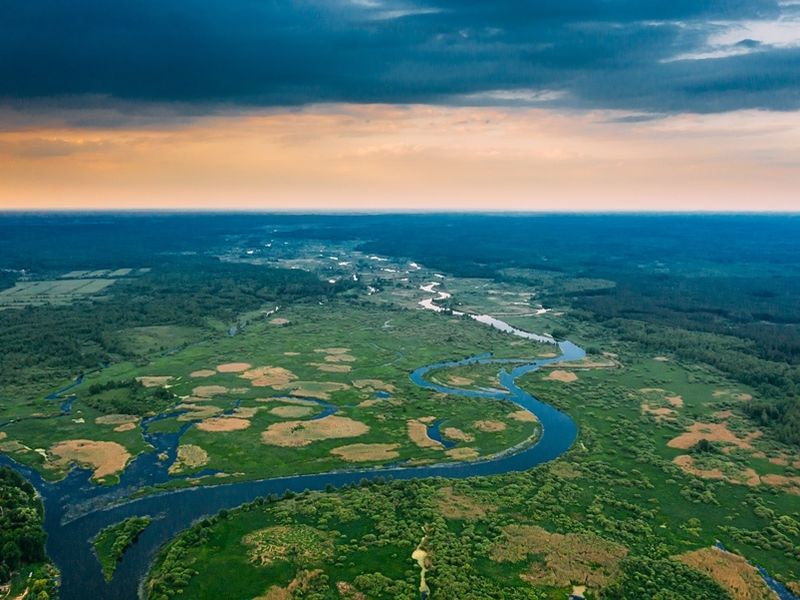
(21, 535)
(64, 340)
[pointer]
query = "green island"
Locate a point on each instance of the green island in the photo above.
(112, 542)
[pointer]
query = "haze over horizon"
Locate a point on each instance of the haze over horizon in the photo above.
(370, 105)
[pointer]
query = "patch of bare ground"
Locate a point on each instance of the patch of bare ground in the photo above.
(746, 476)
(290, 353)
(215, 424)
(189, 457)
(790, 484)
(245, 412)
(660, 413)
(488, 426)
(209, 391)
(368, 403)
(107, 458)
(154, 381)
(661, 358)
(296, 588)
(418, 433)
(375, 384)
(462, 453)
(524, 415)
(337, 358)
(125, 427)
(291, 412)
(573, 558)
(675, 401)
(279, 321)
(269, 376)
(456, 506)
(331, 350)
(202, 373)
(234, 367)
(302, 433)
(116, 419)
(731, 571)
(454, 433)
(3, 435)
(563, 376)
(366, 452)
(459, 381)
(288, 400)
(348, 592)
(331, 368)
(713, 432)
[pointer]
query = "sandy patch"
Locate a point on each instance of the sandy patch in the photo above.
(456, 506)
(153, 381)
(245, 412)
(462, 453)
(713, 432)
(731, 571)
(337, 358)
(790, 484)
(368, 403)
(583, 557)
(298, 587)
(661, 414)
(459, 381)
(661, 358)
(117, 419)
(202, 373)
(289, 400)
(276, 377)
(3, 435)
(330, 368)
(302, 433)
(189, 457)
(234, 367)
(223, 424)
(366, 452)
(207, 391)
(332, 350)
(524, 416)
(106, 458)
(564, 376)
(418, 433)
(291, 353)
(125, 427)
(488, 426)
(675, 401)
(279, 321)
(548, 355)
(454, 433)
(427, 420)
(291, 412)
(723, 414)
(745, 476)
(348, 592)
(375, 384)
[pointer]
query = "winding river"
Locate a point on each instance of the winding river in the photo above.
(76, 509)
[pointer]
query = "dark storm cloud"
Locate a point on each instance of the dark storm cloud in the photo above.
(203, 55)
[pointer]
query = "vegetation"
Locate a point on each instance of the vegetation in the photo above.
(22, 538)
(112, 542)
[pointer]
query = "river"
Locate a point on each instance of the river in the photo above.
(76, 509)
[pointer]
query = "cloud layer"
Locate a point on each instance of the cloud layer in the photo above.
(646, 57)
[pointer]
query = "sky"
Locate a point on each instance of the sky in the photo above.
(372, 105)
